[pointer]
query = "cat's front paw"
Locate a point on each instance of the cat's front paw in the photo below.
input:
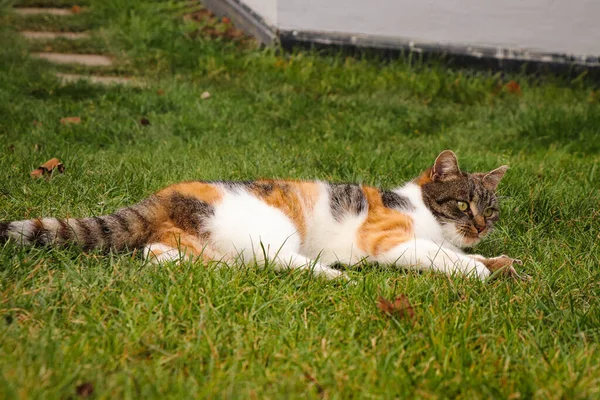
(504, 266)
(331, 273)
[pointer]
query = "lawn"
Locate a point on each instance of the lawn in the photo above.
(74, 322)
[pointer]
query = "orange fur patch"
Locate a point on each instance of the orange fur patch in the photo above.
(308, 193)
(424, 178)
(206, 192)
(293, 198)
(384, 227)
(176, 238)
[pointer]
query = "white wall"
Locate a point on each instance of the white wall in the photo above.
(265, 8)
(555, 26)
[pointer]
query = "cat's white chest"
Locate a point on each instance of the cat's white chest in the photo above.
(329, 240)
(424, 223)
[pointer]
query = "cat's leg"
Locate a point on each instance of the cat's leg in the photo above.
(502, 263)
(297, 261)
(425, 254)
(158, 253)
(174, 244)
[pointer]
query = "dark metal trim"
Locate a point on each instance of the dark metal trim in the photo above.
(500, 54)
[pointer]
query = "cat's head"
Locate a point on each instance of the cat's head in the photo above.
(464, 204)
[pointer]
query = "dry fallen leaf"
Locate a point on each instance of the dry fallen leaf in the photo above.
(160, 92)
(37, 173)
(513, 87)
(216, 27)
(312, 379)
(75, 9)
(37, 123)
(70, 120)
(205, 95)
(47, 168)
(85, 389)
(401, 307)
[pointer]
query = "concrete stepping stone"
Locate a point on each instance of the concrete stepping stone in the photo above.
(101, 80)
(35, 35)
(91, 60)
(42, 10)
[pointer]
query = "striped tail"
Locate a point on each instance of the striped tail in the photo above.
(127, 228)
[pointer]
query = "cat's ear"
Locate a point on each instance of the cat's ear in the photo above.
(493, 178)
(445, 167)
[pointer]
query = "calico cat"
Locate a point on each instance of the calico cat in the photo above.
(300, 224)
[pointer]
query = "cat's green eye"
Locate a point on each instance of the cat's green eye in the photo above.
(462, 206)
(488, 212)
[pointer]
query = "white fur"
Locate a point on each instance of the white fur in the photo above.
(20, 231)
(245, 228)
(424, 223)
(329, 240)
(158, 253)
(427, 254)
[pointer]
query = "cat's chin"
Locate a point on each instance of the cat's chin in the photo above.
(458, 239)
(469, 241)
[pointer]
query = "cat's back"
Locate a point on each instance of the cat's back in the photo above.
(336, 222)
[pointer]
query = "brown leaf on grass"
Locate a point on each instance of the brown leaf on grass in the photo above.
(37, 123)
(47, 168)
(401, 307)
(312, 379)
(513, 87)
(37, 173)
(70, 120)
(145, 121)
(75, 9)
(85, 389)
(160, 92)
(214, 27)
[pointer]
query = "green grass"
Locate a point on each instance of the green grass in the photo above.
(52, 23)
(93, 45)
(135, 330)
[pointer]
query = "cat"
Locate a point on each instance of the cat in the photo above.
(422, 224)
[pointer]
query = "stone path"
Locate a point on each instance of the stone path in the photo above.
(102, 80)
(43, 10)
(92, 60)
(89, 60)
(34, 35)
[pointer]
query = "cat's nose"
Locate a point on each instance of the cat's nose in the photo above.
(479, 223)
